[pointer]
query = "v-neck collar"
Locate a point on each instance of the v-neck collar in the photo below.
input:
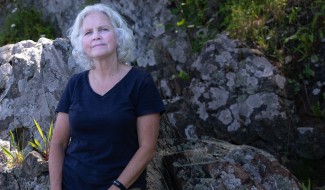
(112, 89)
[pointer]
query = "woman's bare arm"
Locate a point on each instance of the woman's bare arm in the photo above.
(148, 128)
(59, 142)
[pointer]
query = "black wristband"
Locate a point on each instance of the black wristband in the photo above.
(119, 185)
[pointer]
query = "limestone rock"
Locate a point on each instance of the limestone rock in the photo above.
(34, 165)
(212, 164)
(231, 93)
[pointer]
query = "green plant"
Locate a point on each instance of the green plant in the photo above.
(191, 12)
(24, 24)
(256, 23)
(293, 15)
(317, 111)
(307, 38)
(245, 18)
(14, 157)
(304, 187)
(183, 75)
(193, 20)
(45, 149)
(295, 86)
(91, 2)
(308, 72)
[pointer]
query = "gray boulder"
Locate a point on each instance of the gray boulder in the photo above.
(35, 74)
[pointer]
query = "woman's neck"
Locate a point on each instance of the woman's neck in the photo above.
(106, 66)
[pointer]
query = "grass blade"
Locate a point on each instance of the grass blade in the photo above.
(39, 130)
(7, 152)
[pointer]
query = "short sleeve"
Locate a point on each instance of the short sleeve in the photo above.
(65, 101)
(149, 100)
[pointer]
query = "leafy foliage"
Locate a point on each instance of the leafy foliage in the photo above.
(317, 111)
(183, 75)
(91, 2)
(14, 157)
(304, 187)
(194, 20)
(290, 33)
(255, 22)
(24, 24)
(45, 149)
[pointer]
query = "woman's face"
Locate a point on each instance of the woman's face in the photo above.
(98, 36)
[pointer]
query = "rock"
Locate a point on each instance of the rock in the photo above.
(3, 158)
(33, 174)
(36, 73)
(34, 165)
(8, 181)
(231, 93)
(206, 164)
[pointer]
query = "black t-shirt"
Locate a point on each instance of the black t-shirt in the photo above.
(103, 128)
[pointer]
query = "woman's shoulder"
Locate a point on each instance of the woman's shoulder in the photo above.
(78, 77)
(139, 72)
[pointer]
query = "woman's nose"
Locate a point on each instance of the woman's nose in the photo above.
(96, 35)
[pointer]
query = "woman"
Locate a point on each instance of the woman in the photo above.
(108, 116)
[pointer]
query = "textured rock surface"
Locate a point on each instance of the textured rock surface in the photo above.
(35, 76)
(36, 73)
(211, 164)
(147, 18)
(232, 94)
(237, 95)
(34, 165)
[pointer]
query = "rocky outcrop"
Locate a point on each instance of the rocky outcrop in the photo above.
(226, 91)
(33, 77)
(181, 164)
(237, 96)
(32, 174)
(212, 164)
(236, 93)
(147, 18)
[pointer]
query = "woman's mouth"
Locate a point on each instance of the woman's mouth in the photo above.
(97, 45)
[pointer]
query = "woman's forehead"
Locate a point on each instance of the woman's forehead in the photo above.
(96, 18)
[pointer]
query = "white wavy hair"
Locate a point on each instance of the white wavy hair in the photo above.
(125, 38)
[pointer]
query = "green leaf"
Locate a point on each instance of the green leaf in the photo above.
(33, 145)
(180, 23)
(39, 130)
(12, 139)
(36, 145)
(7, 152)
(50, 133)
